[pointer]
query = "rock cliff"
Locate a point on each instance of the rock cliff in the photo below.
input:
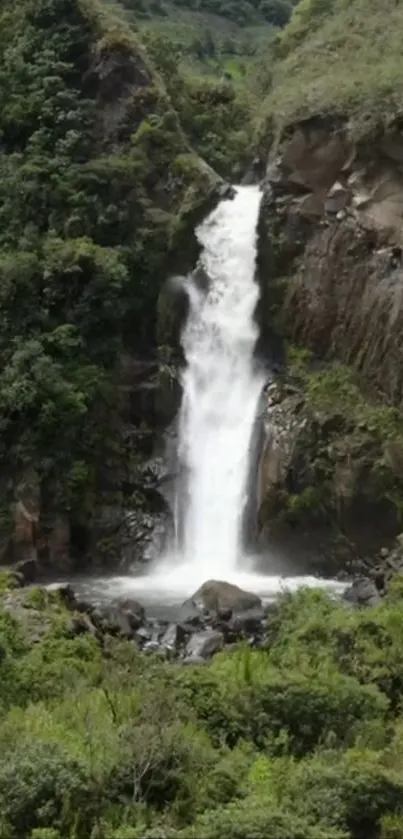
(332, 281)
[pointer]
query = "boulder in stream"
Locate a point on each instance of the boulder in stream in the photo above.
(218, 597)
(122, 618)
(203, 645)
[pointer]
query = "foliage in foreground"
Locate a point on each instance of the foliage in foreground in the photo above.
(302, 739)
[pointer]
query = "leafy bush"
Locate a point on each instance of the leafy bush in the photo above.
(302, 739)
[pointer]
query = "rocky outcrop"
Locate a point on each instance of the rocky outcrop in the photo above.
(325, 483)
(332, 222)
(331, 271)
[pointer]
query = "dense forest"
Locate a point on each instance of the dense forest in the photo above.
(121, 125)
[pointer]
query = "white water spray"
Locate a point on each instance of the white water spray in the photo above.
(221, 389)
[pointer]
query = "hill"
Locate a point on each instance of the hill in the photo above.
(331, 258)
(342, 59)
(100, 193)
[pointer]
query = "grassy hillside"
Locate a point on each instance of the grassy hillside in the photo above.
(340, 57)
(214, 37)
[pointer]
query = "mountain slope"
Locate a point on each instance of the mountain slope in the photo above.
(340, 58)
(100, 191)
(331, 260)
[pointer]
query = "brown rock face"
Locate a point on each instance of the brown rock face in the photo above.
(332, 223)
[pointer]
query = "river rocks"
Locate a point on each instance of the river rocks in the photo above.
(362, 592)
(217, 596)
(203, 645)
(122, 618)
(26, 571)
(247, 622)
(173, 636)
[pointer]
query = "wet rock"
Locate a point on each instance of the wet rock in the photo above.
(134, 612)
(189, 615)
(204, 644)
(120, 619)
(337, 198)
(28, 569)
(274, 178)
(173, 636)
(224, 614)
(216, 596)
(245, 623)
(226, 192)
(362, 592)
(311, 207)
(194, 659)
(110, 621)
(142, 635)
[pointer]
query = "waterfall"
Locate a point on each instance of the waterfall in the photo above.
(221, 389)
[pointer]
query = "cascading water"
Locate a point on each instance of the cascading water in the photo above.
(221, 389)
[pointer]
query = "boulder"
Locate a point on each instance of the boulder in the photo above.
(133, 610)
(362, 592)
(226, 192)
(81, 625)
(173, 637)
(189, 614)
(245, 623)
(216, 596)
(26, 570)
(203, 645)
(123, 618)
(143, 635)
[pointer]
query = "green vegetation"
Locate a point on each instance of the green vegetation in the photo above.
(340, 58)
(276, 12)
(216, 116)
(301, 739)
(92, 197)
(348, 451)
